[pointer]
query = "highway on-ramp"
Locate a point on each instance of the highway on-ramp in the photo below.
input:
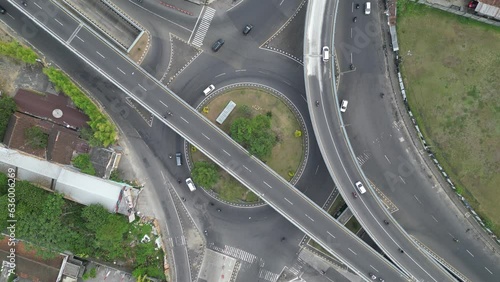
(213, 142)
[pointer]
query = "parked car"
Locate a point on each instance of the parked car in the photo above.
(247, 28)
(473, 4)
(209, 89)
(216, 46)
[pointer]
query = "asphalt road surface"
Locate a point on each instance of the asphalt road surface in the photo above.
(388, 157)
(328, 128)
(182, 118)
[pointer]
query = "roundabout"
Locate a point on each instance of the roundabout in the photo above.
(287, 155)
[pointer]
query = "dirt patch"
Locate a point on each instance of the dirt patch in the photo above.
(138, 53)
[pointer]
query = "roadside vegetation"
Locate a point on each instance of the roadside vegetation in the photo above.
(36, 138)
(17, 51)
(55, 225)
(265, 126)
(83, 163)
(450, 68)
(7, 108)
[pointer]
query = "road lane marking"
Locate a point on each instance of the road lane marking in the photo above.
(11, 16)
(288, 201)
(267, 184)
(163, 104)
(309, 217)
(59, 22)
(79, 38)
(352, 251)
(205, 136)
(240, 70)
(37, 5)
(330, 234)
(434, 218)
(488, 270)
(316, 170)
(220, 74)
(351, 32)
(247, 168)
(120, 70)
(402, 179)
(387, 159)
(100, 54)
(418, 200)
(184, 120)
(142, 87)
(374, 268)
(226, 152)
(470, 253)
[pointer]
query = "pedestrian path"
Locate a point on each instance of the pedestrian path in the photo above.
(236, 253)
(203, 27)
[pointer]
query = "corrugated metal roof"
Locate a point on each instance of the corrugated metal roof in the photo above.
(29, 163)
(87, 190)
(82, 188)
(488, 10)
(495, 3)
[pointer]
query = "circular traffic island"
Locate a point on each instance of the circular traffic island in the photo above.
(266, 124)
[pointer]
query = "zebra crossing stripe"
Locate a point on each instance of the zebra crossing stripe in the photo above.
(203, 27)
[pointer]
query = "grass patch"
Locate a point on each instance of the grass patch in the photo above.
(450, 69)
(353, 225)
(286, 155)
(339, 202)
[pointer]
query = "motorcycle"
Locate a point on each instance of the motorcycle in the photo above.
(317, 103)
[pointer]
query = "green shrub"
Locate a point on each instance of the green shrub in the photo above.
(36, 138)
(205, 174)
(82, 162)
(15, 50)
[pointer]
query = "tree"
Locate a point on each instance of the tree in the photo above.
(254, 134)
(7, 108)
(36, 138)
(205, 174)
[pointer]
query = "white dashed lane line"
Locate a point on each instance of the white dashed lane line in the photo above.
(142, 87)
(247, 168)
(330, 234)
(205, 136)
(226, 152)
(288, 201)
(267, 184)
(100, 54)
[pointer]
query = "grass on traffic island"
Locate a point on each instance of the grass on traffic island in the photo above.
(450, 69)
(286, 155)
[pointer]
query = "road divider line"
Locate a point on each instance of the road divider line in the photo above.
(120, 70)
(309, 217)
(488, 270)
(100, 54)
(352, 251)
(247, 168)
(418, 200)
(59, 22)
(434, 218)
(142, 87)
(470, 253)
(184, 120)
(402, 179)
(288, 201)
(220, 74)
(387, 159)
(163, 103)
(226, 152)
(374, 268)
(205, 136)
(37, 5)
(330, 234)
(267, 184)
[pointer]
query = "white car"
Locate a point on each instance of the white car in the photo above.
(190, 185)
(343, 106)
(368, 8)
(326, 53)
(208, 89)
(360, 187)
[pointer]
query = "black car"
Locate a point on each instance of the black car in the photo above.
(216, 46)
(247, 28)
(2, 10)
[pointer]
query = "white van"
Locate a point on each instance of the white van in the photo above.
(326, 53)
(368, 8)
(208, 89)
(360, 187)
(190, 185)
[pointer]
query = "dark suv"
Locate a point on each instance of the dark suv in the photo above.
(247, 28)
(216, 46)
